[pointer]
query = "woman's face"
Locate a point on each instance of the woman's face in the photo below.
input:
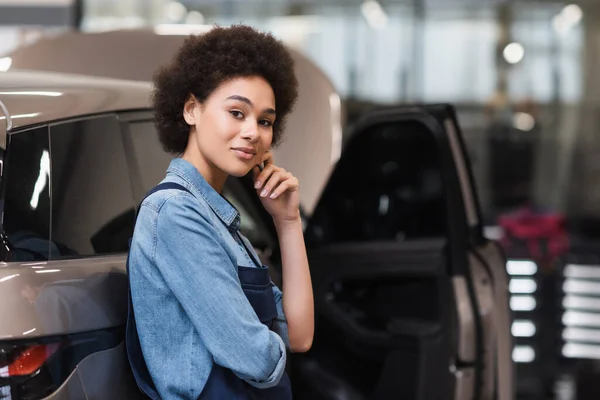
(234, 125)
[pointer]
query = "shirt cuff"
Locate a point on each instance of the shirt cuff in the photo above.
(277, 373)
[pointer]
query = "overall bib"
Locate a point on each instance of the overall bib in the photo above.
(222, 383)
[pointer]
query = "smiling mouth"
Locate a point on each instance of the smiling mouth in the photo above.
(245, 150)
(246, 154)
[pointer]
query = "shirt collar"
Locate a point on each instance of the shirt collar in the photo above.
(201, 188)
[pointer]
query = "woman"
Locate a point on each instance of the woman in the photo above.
(208, 321)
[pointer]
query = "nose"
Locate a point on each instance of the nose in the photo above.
(250, 133)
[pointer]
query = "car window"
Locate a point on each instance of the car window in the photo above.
(387, 186)
(152, 161)
(93, 210)
(27, 195)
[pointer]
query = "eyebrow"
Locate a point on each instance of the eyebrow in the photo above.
(247, 101)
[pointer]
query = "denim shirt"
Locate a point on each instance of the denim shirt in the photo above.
(191, 311)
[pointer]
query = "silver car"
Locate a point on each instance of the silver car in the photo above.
(411, 299)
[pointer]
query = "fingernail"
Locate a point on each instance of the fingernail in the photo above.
(273, 196)
(263, 193)
(257, 185)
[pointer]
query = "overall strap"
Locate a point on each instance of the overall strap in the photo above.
(132, 343)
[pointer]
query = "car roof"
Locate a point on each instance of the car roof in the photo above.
(33, 97)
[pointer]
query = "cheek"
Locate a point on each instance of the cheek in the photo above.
(266, 140)
(228, 127)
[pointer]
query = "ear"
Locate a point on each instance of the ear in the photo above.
(189, 109)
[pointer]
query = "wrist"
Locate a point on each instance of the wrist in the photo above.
(288, 222)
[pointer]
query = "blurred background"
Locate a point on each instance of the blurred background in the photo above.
(524, 77)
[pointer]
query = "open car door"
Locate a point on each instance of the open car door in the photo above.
(406, 287)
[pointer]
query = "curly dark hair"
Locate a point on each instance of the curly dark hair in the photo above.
(206, 61)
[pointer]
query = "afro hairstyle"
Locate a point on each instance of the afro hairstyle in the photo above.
(204, 62)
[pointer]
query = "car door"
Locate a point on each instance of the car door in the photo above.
(403, 303)
(486, 259)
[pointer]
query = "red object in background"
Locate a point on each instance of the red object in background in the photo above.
(543, 233)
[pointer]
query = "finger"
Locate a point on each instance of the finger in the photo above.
(287, 185)
(265, 175)
(273, 181)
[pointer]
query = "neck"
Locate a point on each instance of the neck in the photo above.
(213, 175)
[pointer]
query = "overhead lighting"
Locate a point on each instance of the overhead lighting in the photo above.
(523, 329)
(581, 334)
(521, 267)
(47, 271)
(5, 63)
(175, 11)
(374, 14)
(581, 303)
(567, 19)
(523, 354)
(522, 303)
(575, 350)
(572, 286)
(524, 286)
(513, 53)
(194, 18)
(578, 318)
(523, 121)
(572, 13)
(582, 271)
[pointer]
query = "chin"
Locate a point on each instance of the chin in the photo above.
(238, 174)
(239, 171)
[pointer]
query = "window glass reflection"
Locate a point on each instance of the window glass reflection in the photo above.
(27, 207)
(92, 201)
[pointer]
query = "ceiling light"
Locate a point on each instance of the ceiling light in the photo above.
(374, 14)
(175, 11)
(523, 121)
(5, 63)
(194, 18)
(513, 53)
(569, 17)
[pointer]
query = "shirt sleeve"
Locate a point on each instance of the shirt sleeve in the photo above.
(190, 253)
(280, 324)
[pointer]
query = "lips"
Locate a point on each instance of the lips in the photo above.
(245, 153)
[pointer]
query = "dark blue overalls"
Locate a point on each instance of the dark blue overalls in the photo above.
(222, 383)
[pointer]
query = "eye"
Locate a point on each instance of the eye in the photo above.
(265, 122)
(237, 114)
